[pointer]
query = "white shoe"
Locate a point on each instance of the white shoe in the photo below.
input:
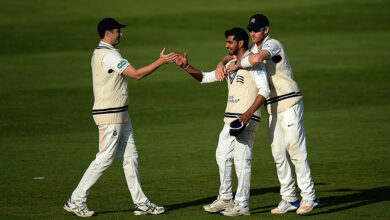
(78, 209)
(236, 210)
(307, 206)
(147, 208)
(218, 205)
(285, 206)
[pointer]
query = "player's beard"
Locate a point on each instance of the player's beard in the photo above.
(232, 51)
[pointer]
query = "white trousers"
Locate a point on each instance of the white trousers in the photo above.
(237, 151)
(288, 142)
(114, 139)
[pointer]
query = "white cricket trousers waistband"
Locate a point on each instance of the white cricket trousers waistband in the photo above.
(114, 139)
(238, 151)
(288, 142)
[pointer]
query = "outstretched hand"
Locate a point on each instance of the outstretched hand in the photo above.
(168, 58)
(182, 61)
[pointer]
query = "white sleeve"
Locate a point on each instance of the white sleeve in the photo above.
(208, 77)
(113, 61)
(260, 76)
(272, 48)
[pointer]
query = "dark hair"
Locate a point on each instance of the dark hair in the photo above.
(238, 34)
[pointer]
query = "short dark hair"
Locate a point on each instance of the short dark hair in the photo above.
(238, 34)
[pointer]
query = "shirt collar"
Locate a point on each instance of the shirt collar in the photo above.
(266, 39)
(255, 48)
(247, 53)
(101, 43)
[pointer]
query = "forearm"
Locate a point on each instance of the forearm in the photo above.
(142, 72)
(256, 104)
(146, 70)
(254, 59)
(197, 74)
(226, 59)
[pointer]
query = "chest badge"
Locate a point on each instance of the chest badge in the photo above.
(240, 79)
(232, 75)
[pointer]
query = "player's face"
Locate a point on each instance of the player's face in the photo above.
(115, 36)
(258, 37)
(231, 45)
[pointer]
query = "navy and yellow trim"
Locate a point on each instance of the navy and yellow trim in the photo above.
(109, 110)
(237, 115)
(282, 97)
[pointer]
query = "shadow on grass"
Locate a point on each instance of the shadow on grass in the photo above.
(356, 198)
(114, 211)
(208, 200)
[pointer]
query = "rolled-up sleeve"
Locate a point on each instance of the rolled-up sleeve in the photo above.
(272, 48)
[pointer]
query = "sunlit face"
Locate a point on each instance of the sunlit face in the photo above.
(114, 36)
(258, 37)
(231, 45)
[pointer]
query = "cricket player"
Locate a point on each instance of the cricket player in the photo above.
(109, 73)
(285, 116)
(248, 90)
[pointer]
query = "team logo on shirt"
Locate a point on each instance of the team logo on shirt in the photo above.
(121, 64)
(240, 79)
(232, 75)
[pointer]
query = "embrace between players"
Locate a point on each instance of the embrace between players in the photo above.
(256, 74)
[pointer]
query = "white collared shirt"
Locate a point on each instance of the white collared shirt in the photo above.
(113, 61)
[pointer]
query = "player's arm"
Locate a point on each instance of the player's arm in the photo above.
(203, 77)
(249, 61)
(260, 77)
(246, 117)
(142, 72)
(254, 59)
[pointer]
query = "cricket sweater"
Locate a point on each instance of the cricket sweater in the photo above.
(110, 91)
(284, 90)
(242, 93)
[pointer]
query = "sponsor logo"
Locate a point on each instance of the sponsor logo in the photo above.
(121, 64)
(232, 99)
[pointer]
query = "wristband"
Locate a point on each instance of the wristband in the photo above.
(245, 62)
(185, 68)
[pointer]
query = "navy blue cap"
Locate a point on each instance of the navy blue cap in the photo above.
(108, 24)
(236, 127)
(257, 22)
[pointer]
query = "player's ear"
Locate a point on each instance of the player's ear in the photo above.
(240, 44)
(266, 30)
(107, 33)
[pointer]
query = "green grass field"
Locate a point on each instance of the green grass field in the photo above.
(339, 50)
